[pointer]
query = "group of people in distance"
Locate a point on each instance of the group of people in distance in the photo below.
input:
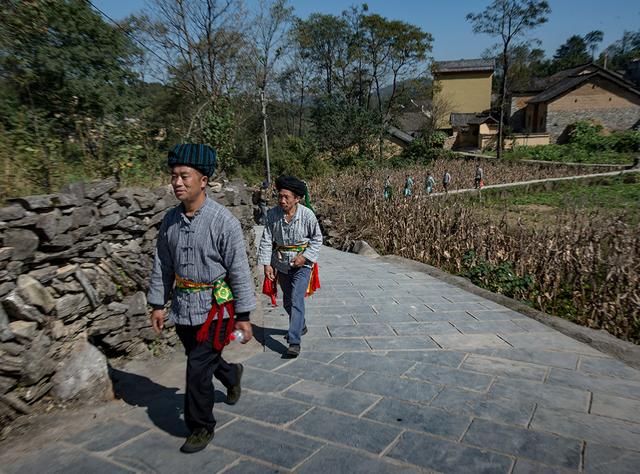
(430, 183)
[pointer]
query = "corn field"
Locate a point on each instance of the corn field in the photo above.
(461, 171)
(582, 265)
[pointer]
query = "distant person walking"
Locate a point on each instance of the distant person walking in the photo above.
(478, 180)
(430, 183)
(408, 186)
(446, 181)
(388, 190)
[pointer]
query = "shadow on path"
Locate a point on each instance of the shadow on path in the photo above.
(265, 336)
(164, 405)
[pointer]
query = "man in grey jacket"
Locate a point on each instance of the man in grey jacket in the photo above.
(288, 250)
(201, 264)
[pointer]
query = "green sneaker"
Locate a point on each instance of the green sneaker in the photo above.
(197, 441)
(233, 393)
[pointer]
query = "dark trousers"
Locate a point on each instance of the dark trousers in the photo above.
(203, 362)
(294, 286)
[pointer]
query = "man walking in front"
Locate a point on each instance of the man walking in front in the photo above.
(446, 181)
(201, 250)
(289, 247)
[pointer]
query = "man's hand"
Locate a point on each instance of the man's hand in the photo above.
(157, 320)
(269, 273)
(299, 261)
(245, 327)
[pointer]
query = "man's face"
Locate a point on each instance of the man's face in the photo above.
(187, 182)
(287, 200)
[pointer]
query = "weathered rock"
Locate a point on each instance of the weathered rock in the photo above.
(14, 268)
(33, 293)
(6, 253)
(88, 288)
(36, 392)
(82, 216)
(37, 364)
(130, 224)
(361, 247)
(127, 198)
(67, 270)
(17, 308)
(136, 304)
(7, 383)
(148, 334)
(23, 330)
(109, 324)
(24, 243)
(12, 348)
(59, 242)
(83, 376)
(116, 307)
(64, 224)
(151, 234)
(112, 208)
(72, 306)
(15, 404)
(44, 274)
(6, 288)
(109, 220)
(77, 189)
(12, 212)
(120, 340)
(47, 224)
(97, 189)
(5, 332)
(33, 203)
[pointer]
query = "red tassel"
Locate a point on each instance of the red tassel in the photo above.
(217, 311)
(203, 332)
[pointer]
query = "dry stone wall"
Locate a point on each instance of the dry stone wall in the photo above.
(74, 268)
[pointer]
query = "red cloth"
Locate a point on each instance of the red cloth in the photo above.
(314, 281)
(270, 288)
(218, 311)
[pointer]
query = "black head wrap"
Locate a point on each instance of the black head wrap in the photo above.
(198, 156)
(294, 185)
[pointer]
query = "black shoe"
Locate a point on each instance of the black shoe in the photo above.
(197, 441)
(304, 331)
(294, 350)
(233, 392)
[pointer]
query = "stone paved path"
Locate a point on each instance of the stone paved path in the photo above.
(399, 373)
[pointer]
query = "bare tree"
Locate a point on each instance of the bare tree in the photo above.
(268, 32)
(508, 20)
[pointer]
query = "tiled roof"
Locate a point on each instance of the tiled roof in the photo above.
(465, 65)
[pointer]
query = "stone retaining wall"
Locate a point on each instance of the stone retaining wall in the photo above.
(74, 268)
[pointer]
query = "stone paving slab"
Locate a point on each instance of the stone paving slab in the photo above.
(400, 373)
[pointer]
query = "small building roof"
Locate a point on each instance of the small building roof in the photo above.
(462, 119)
(568, 79)
(399, 134)
(465, 65)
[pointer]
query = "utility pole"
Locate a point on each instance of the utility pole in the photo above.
(263, 102)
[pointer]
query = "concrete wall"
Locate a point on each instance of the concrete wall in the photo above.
(463, 92)
(526, 139)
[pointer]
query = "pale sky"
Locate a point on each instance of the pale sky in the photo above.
(453, 37)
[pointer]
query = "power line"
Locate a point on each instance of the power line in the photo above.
(128, 34)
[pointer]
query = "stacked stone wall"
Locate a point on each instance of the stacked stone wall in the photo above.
(74, 268)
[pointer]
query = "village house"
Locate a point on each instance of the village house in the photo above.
(462, 102)
(544, 111)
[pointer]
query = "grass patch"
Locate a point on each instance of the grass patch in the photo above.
(611, 193)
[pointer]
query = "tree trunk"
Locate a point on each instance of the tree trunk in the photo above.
(503, 97)
(263, 103)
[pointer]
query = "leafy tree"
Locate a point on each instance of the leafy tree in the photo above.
(61, 57)
(593, 39)
(508, 20)
(618, 54)
(570, 54)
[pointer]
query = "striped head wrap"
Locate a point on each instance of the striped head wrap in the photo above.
(198, 156)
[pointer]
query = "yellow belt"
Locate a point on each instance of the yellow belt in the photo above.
(292, 248)
(221, 290)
